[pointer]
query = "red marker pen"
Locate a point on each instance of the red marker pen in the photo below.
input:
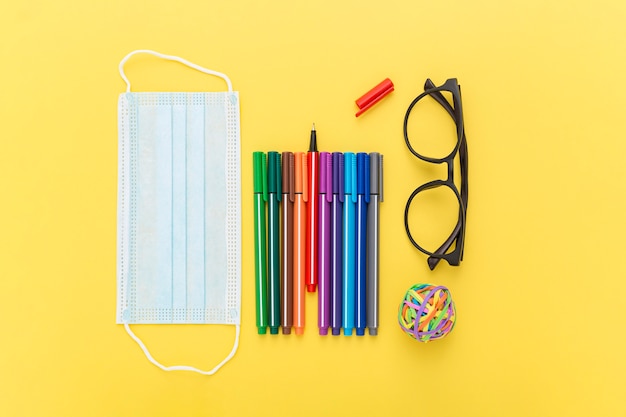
(312, 213)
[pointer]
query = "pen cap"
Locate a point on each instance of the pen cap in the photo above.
(363, 175)
(273, 173)
(260, 173)
(288, 175)
(373, 96)
(376, 174)
(349, 175)
(338, 174)
(300, 168)
(326, 175)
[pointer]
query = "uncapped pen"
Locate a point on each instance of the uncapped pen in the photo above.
(336, 242)
(324, 240)
(373, 241)
(273, 239)
(287, 242)
(312, 213)
(299, 241)
(363, 198)
(349, 242)
(260, 197)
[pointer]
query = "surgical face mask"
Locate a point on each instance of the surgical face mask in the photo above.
(179, 209)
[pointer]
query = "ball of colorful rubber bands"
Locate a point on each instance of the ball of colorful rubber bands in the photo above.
(427, 312)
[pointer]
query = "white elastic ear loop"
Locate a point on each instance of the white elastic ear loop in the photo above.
(171, 58)
(184, 367)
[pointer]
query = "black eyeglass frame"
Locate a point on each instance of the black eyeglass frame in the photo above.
(455, 110)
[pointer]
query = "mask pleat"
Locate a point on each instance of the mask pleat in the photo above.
(179, 207)
(154, 207)
(196, 209)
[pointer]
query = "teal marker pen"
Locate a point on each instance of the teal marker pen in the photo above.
(274, 181)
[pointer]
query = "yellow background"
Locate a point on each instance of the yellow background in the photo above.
(539, 295)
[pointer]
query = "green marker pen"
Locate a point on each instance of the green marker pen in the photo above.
(260, 267)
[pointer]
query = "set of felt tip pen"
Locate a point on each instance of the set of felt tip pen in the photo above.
(316, 225)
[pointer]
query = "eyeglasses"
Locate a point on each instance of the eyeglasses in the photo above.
(455, 110)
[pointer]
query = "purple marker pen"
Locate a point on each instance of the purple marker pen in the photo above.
(336, 242)
(325, 199)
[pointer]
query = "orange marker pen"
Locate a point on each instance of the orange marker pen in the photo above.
(299, 241)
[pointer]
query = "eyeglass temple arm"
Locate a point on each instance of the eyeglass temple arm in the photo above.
(437, 96)
(433, 261)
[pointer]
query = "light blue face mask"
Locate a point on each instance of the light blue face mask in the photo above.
(179, 209)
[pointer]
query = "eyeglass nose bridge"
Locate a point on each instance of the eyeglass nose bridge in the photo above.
(450, 165)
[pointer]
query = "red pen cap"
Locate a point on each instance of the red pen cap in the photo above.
(373, 96)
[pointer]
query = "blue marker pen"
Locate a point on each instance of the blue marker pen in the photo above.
(363, 199)
(349, 242)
